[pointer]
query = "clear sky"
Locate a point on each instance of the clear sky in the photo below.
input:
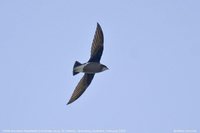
(152, 48)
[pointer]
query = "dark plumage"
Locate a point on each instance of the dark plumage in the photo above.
(91, 67)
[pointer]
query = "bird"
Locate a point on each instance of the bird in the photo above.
(91, 67)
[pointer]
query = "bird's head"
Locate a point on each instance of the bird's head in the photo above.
(104, 68)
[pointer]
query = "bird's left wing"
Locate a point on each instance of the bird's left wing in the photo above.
(97, 45)
(81, 87)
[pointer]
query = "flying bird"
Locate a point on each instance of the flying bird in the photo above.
(91, 67)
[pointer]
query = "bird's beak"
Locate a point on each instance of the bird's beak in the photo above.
(105, 68)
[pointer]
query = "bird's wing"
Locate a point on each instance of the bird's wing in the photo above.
(97, 45)
(81, 87)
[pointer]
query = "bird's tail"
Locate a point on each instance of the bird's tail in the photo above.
(76, 64)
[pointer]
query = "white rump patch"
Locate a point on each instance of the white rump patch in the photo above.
(80, 68)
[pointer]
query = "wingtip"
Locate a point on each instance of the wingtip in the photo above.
(99, 28)
(68, 103)
(71, 101)
(98, 25)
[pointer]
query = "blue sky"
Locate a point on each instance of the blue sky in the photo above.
(152, 49)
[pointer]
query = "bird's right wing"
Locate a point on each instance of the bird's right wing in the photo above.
(97, 45)
(81, 87)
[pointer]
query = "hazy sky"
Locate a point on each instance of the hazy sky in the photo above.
(152, 48)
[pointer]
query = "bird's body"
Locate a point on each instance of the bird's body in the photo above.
(91, 67)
